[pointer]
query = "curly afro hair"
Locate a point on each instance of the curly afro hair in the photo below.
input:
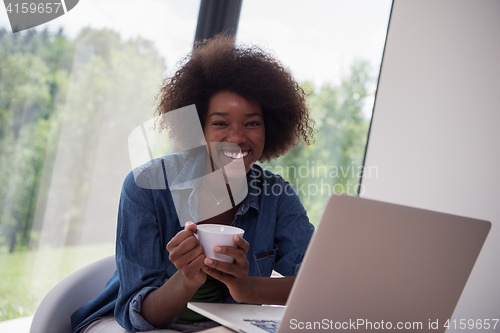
(218, 64)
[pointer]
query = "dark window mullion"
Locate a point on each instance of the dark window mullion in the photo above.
(217, 16)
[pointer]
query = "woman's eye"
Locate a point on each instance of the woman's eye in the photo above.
(253, 124)
(219, 123)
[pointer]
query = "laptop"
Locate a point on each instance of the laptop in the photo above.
(370, 266)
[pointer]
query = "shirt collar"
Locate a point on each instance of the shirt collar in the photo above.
(192, 171)
(190, 174)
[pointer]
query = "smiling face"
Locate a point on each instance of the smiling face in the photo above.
(238, 122)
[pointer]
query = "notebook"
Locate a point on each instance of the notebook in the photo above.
(370, 265)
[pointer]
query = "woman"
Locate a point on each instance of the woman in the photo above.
(249, 103)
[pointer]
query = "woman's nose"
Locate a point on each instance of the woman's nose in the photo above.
(236, 136)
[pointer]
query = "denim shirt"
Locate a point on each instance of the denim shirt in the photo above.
(275, 223)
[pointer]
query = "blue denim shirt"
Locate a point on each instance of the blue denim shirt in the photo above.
(274, 220)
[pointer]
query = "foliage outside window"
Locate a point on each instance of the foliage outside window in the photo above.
(66, 109)
(332, 165)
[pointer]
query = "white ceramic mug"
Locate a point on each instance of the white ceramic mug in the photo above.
(212, 235)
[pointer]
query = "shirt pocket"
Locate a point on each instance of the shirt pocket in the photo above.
(265, 261)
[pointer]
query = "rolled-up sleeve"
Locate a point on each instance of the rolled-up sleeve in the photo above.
(135, 306)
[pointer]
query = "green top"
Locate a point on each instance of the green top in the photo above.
(211, 292)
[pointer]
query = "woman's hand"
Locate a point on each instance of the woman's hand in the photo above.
(187, 254)
(162, 305)
(234, 275)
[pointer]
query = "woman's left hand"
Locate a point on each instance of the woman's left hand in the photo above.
(234, 275)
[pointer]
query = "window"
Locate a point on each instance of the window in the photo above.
(71, 91)
(334, 49)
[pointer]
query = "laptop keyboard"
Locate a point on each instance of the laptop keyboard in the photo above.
(267, 325)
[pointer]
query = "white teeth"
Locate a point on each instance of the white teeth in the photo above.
(235, 155)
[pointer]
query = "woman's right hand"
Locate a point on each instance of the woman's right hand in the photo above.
(187, 254)
(162, 305)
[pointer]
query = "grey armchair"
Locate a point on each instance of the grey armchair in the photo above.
(54, 313)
